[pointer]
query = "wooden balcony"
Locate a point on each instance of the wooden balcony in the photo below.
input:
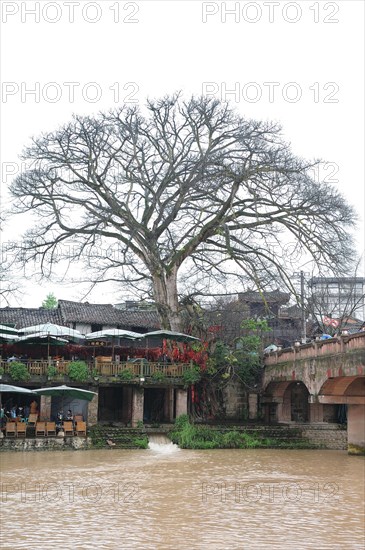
(104, 367)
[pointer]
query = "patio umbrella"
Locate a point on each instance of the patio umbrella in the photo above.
(170, 335)
(8, 388)
(54, 330)
(66, 391)
(8, 330)
(8, 334)
(5, 337)
(113, 334)
(42, 338)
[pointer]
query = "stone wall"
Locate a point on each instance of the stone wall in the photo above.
(235, 400)
(45, 444)
(92, 411)
(329, 436)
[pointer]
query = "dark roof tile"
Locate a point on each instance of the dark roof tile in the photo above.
(25, 317)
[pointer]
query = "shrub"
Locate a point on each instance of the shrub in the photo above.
(126, 374)
(19, 371)
(78, 371)
(180, 421)
(140, 442)
(191, 376)
(158, 375)
(51, 371)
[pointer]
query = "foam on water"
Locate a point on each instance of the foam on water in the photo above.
(160, 443)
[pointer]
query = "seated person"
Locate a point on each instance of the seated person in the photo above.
(69, 415)
(2, 417)
(34, 407)
(59, 420)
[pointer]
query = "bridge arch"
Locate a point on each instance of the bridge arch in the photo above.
(286, 401)
(343, 390)
(349, 391)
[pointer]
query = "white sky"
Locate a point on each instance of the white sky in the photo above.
(299, 63)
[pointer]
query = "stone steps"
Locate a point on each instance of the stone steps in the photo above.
(117, 437)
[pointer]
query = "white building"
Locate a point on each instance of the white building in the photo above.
(338, 296)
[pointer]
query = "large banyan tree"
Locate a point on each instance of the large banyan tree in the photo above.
(177, 198)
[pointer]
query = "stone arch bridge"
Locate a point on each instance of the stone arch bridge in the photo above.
(323, 381)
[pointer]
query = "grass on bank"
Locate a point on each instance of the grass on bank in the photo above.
(192, 436)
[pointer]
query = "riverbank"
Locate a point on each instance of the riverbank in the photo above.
(192, 436)
(195, 436)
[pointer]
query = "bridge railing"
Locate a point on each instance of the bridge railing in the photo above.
(317, 348)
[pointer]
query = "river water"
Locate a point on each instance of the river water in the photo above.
(168, 498)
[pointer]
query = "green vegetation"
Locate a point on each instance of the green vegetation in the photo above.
(140, 442)
(78, 371)
(19, 371)
(249, 349)
(158, 376)
(51, 371)
(193, 436)
(50, 302)
(126, 375)
(191, 376)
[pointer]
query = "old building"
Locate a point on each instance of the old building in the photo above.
(83, 316)
(225, 319)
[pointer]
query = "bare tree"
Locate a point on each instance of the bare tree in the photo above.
(333, 301)
(10, 279)
(10, 284)
(186, 190)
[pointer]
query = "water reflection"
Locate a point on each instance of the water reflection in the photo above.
(182, 499)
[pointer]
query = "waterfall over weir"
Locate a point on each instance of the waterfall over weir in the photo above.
(160, 443)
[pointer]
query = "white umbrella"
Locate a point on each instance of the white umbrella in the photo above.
(8, 330)
(54, 330)
(41, 336)
(4, 337)
(170, 335)
(113, 333)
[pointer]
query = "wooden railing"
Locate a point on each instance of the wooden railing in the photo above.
(141, 369)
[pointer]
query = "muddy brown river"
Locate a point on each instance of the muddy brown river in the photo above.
(167, 498)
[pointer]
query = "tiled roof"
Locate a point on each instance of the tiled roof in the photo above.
(103, 314)
(25, 317)
(106, 314)
(274, 296)
(141, 319)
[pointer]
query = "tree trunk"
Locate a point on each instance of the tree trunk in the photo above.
(166, 298)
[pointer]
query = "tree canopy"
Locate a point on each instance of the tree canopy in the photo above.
(176, 197)
(50, 302)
